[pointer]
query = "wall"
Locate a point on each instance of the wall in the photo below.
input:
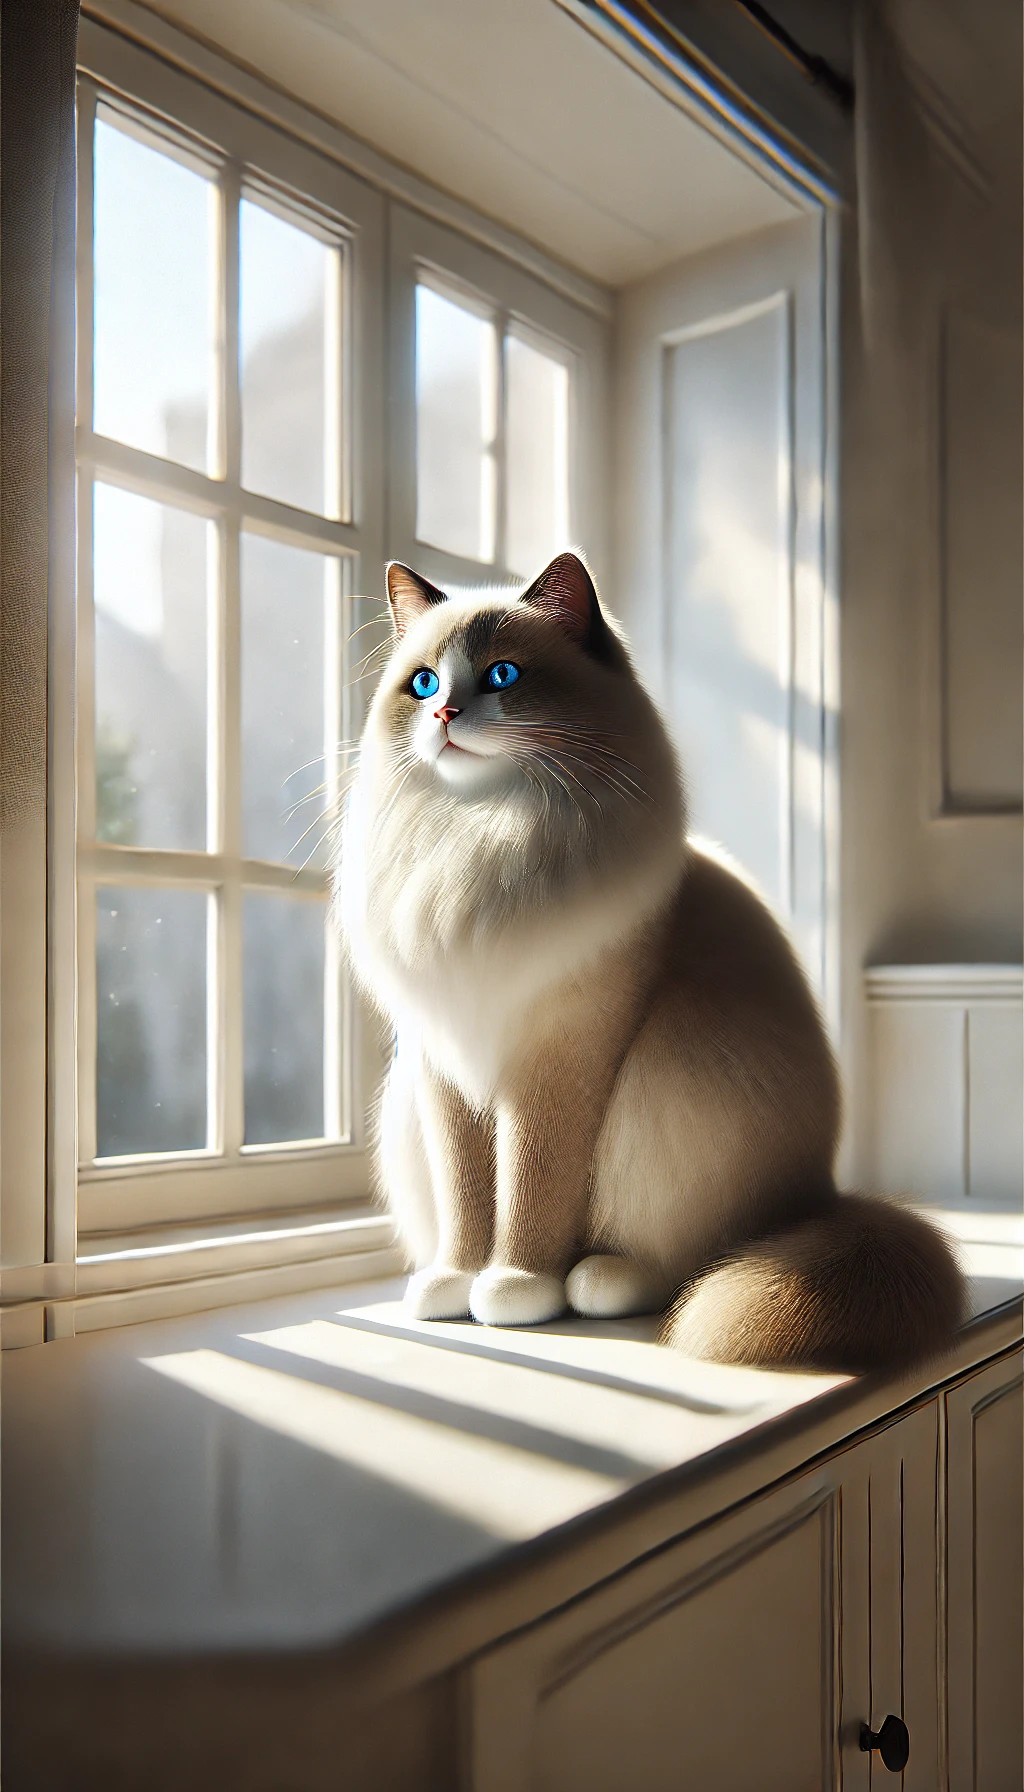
(931, 503)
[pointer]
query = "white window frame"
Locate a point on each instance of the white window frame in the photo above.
(386, 243)
(228, 1177)
(424, 251)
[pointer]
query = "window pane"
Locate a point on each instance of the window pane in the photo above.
(150, 587)
(289, 334)
(284, 1019)
(154, 291)
(456, 418)
(289, 606)
(151, 1020)
(536, 456)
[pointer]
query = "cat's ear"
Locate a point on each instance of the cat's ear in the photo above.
(565, 592)
(409, 596)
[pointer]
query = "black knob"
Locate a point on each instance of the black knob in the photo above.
(892, 1742)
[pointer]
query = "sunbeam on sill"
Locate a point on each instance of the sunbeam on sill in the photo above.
(506, 1490)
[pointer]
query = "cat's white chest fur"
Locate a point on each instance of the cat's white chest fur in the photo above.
(475, 1007)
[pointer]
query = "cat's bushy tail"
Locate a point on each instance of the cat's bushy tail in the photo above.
(866, 1284)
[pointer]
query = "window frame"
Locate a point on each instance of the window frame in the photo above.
(227, 1177)
(518, 304)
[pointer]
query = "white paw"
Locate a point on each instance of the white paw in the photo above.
(516, 1297)
(439, 1293)
(611, 1288)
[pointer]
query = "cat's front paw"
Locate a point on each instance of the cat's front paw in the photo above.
(516, 1297)
(439, 1293)
(612, 1288)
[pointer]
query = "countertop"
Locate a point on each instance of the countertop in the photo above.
(288, 1476)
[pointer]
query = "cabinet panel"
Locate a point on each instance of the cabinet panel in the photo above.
(712, 1663)
(985, 1583)
(745, 1657)
(701, 1686)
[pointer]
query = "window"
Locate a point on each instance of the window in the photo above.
(497, 450)
(492, 435)
(246, 465)
(217, 554)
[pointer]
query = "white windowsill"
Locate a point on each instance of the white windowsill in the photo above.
(121, 1279)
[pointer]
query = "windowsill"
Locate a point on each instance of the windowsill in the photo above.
(163, 1271)
(289, 1476)
(174, 1253)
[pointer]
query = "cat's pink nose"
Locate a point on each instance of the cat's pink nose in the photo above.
(445, 715)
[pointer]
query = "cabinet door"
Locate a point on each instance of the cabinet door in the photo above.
(889, 1486)
(710, 1664)
(985, 1579)
(743, 1658)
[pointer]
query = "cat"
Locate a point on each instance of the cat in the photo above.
(612, 1090)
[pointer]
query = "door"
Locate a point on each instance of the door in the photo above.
(722, 550)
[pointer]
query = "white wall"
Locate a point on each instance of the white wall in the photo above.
(931, 508)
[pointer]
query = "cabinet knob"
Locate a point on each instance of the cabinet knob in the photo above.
(892, 1742)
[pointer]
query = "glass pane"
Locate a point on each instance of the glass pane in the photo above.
(456, 418)
(283, 941)
(154, 298)
(536, 456)
(289, 333)
(289, 602)
(150, 1020)
(150, 587)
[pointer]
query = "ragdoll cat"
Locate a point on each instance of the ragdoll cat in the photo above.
(612, 1089)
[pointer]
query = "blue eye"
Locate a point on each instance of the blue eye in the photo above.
(500, 676)
(425, 683)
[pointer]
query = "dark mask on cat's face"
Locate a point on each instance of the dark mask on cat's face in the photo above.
(496, 691)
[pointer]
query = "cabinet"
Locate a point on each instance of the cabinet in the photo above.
(748, 1654)
(984, 1524)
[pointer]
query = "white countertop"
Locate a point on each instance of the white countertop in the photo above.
(288, 1475)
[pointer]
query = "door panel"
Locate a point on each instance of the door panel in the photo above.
(985, 1581)
(702, 1689)
(711, 1664)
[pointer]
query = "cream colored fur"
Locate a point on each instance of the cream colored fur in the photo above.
(611, 1081)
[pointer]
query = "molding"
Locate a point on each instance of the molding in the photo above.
(949, 983)
(130, 1306)
(149, 1274)
(678, 69)
(215, 69)
(29, 1322)
(177, 1254)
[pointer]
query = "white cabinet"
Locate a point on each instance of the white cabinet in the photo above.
(745, 1657)
(985, 1622)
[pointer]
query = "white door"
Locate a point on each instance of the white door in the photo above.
(721, 480)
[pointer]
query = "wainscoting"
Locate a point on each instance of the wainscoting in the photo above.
(947, 1079)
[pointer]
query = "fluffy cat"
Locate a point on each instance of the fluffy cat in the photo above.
(612, 1089)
